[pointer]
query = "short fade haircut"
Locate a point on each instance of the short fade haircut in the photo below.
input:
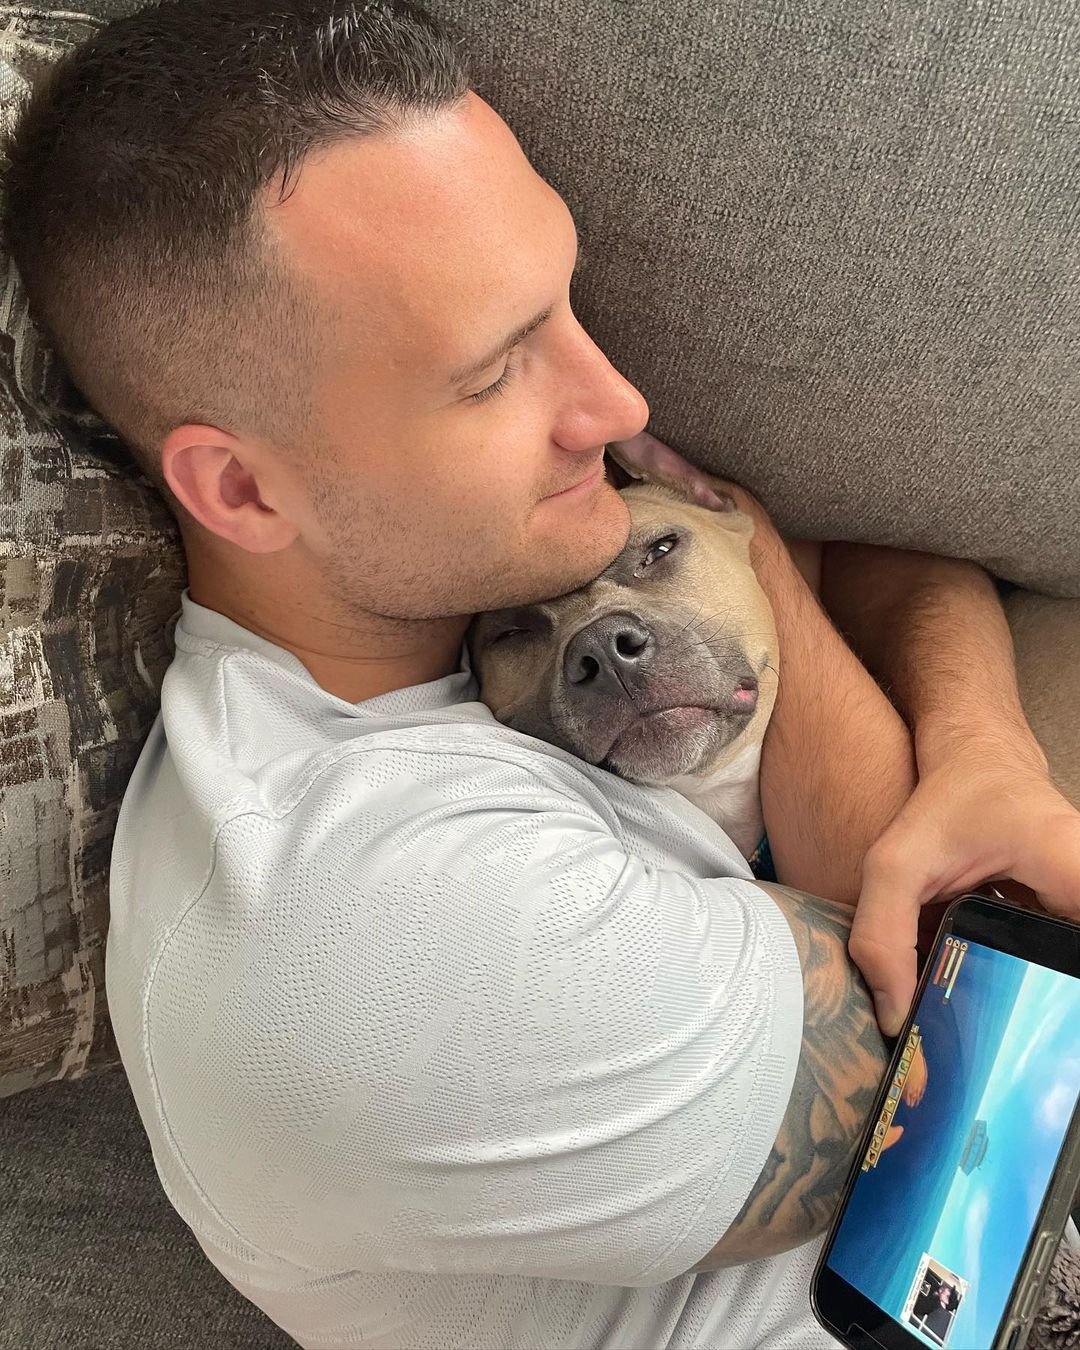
(132, 198)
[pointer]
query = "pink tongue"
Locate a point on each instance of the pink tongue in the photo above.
(743, 695)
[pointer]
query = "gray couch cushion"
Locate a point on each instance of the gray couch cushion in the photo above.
(837, 245)
(92, 1254)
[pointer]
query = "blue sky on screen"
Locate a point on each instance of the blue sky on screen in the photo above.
(1028, 1100)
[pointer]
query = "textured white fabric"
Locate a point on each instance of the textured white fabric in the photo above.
(441, 1038)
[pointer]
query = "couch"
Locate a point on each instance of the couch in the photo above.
(837, 247)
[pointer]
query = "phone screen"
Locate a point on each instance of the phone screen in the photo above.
(949, 1191)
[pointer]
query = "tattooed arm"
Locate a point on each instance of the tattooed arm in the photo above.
(840, 1069)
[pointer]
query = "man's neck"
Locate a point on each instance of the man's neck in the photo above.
(354, 657)
(380, 668)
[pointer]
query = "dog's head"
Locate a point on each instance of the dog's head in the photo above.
(655, 669)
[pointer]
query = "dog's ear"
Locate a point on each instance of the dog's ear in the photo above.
(643, 458)
(728, 512)
(618, 475)
(721, 506)
(643, 461)
(726, 502)
(732, 518)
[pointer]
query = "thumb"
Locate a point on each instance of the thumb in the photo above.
(885, 929)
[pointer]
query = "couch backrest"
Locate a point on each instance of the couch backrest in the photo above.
(836, 244)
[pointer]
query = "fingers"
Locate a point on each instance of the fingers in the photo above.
(913, 1092)
(892, 1134)
(915, 1084)
(883, 937)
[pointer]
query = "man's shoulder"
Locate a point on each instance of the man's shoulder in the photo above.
(467, 748)
(423, 776)
(264, 741)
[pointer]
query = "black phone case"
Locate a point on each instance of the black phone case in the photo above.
(1015, 1324)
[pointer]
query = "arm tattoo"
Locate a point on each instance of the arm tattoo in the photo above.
(841, 1066)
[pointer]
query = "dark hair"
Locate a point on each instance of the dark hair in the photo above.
(132, 192)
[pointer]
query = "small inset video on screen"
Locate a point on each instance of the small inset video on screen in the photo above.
(934, 1299)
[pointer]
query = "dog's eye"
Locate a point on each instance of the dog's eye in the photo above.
(506, 633)
(659, 549)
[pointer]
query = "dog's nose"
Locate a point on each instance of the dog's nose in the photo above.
(607, 652)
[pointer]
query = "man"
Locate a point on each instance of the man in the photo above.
(940, 1313)
(442, 1038)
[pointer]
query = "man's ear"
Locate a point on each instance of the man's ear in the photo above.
(228, 485)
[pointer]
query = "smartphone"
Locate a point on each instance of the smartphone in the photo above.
(970, 1163)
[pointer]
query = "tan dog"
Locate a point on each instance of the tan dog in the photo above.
(664, 670)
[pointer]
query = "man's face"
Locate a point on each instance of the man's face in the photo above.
(453, 474)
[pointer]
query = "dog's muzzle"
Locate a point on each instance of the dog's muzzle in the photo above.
(614, 657)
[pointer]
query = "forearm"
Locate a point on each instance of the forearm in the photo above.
(933, 632)
(841, 1064)
(837, 762)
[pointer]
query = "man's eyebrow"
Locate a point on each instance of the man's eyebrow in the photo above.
(464, 374)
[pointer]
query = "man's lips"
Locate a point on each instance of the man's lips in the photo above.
(582, 485)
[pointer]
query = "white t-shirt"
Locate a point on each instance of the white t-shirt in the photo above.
(442, 1038)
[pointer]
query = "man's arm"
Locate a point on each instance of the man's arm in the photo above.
(933, 631)
(837, 763)
(841, 1065)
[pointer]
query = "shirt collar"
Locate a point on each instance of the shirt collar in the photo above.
(209, 625)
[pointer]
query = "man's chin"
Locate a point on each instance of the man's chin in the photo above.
(558, 553)
(577, 543)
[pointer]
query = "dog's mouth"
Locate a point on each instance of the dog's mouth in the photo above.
(673, 736)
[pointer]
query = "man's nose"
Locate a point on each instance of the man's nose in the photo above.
(607, 656)
(604, 405)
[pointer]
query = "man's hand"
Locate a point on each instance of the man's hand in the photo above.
(973, 818)
(643, 456)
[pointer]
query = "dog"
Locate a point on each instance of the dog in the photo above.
(663, 670)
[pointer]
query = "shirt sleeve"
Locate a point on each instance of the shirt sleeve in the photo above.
(502, 1045)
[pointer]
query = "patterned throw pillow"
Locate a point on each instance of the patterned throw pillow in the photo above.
(90, 575)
